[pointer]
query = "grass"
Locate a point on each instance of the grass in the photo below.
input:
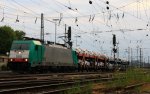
(78, 90)
(131, 76)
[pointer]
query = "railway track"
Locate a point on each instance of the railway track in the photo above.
(12, 77)
(49, 83)
(45, 86)
(55, 83)
(129, 89)
(50, 87)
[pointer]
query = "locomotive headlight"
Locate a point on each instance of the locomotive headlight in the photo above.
(26, 60)
(11, 59)
(19, 52)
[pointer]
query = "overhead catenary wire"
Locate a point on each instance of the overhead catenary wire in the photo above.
(120, 9)
(25, 7)
(83, 17)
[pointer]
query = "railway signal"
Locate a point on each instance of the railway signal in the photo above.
(114, 39)
(114, 44)
(69, 37)
(69, 33)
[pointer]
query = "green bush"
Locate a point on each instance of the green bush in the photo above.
(3, 66)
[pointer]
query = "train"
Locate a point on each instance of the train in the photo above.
(34, 56)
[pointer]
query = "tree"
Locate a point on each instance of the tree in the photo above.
(19, 35)
(7, 35)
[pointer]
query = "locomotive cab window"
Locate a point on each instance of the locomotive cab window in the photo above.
(21, 46)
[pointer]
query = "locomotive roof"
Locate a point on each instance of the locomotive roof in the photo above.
(28, 41)
(37, 42)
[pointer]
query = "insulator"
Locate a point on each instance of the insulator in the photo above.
(107, 2)
(90, 2)
(107, 8)
(115, 50)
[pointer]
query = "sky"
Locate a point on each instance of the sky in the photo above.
(95, 23)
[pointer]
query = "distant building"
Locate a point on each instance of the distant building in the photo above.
(3, 59)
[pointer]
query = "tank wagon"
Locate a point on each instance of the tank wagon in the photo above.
(32, 56)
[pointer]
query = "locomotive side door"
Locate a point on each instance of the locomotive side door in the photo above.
(38, 54)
